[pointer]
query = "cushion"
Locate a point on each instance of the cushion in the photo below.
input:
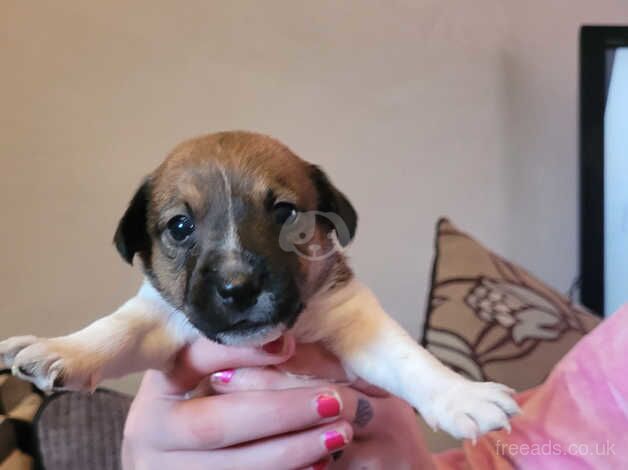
(490, 319)
(19, 402)
(577, 419)
(81, 430)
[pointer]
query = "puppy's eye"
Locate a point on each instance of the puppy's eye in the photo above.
(284, 212)
(180, 227)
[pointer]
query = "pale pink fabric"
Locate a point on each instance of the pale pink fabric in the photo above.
(577, 419)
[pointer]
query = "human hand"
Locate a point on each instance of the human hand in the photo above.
(263, 418)
(386, 434)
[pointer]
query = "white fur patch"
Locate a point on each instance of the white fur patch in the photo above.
(232, 242)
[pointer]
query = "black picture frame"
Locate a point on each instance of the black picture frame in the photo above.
(595, 62)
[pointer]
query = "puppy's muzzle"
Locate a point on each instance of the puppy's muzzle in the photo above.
(233, 282)
(239, 287)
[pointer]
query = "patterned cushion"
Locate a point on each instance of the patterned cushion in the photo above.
(19, 402)
(61, 431)
(492, 320)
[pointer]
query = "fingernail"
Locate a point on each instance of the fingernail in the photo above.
(320, 465)
(223, 376)
(327, 405)
(334, 440)
(274, 347)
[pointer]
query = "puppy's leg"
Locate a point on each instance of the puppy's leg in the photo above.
(143, 333)
(374, 347)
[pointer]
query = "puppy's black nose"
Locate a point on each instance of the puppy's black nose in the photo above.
(240, 288)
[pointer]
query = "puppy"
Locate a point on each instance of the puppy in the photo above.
(241, 240)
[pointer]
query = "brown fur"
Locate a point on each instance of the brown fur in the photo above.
(255, 165)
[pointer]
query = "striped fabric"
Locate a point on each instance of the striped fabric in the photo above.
(81, 430)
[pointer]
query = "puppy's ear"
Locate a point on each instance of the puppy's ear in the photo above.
(331, 200)
(132, 235)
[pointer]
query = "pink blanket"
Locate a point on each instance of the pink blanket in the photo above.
(578, 419)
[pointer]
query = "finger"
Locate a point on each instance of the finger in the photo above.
(247, 416)
(372, 453)
(203, 357)
(269, 378)
(315, 361)
(260, 378)
(297, 450)
(357, 407)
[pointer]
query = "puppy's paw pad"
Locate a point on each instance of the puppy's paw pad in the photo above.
(469, 409)
(9, 348)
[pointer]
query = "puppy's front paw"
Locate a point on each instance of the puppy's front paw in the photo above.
(9, 348)
(50, 364)
(468, 409)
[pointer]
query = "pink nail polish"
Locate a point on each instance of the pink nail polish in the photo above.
(327, 406)
(274, 347)
(223, 376)
(334, 440)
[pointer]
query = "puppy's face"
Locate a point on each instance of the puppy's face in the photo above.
(238, 233)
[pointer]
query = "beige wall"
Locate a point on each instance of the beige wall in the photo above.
(417, 108)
